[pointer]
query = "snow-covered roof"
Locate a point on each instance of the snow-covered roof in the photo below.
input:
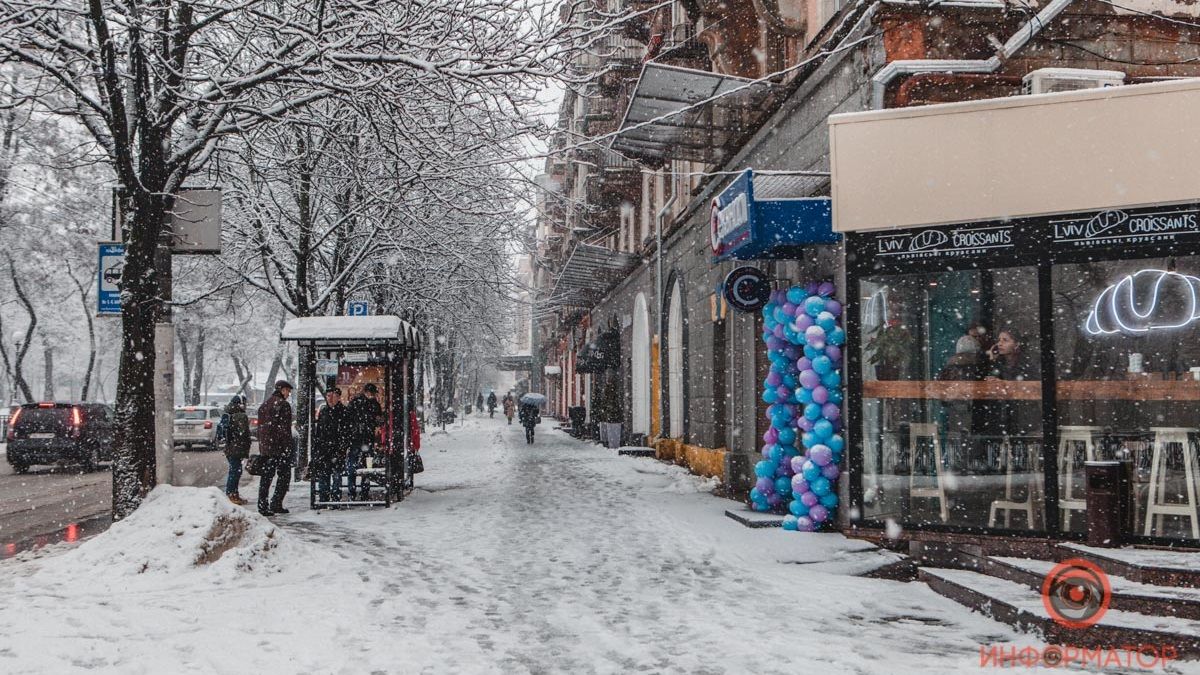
(352, 331)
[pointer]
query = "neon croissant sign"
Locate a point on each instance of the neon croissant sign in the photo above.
(1144, 301)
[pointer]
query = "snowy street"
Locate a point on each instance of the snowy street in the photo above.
(556, 557)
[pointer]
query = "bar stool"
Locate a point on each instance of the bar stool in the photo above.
(1156, 503)
(916, 432)
(1068, 436)
(1008, 504)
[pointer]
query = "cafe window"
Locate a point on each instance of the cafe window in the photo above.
(1127, 343)
(951, 398)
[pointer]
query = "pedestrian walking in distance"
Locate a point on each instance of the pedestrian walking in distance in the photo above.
(365, 416)
(510, 406)
(531, 416)
(331, 445)
(276, 447)
(237, 445)
(491, 404)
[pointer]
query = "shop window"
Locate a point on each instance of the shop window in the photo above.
(952, 431)
(1127, 342)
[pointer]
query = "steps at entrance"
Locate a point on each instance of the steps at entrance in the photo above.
(1148, 566)
(1016, 604)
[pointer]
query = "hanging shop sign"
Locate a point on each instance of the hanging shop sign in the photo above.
(744, 227)
(1167, 224)
(110, 265)
(747, 289)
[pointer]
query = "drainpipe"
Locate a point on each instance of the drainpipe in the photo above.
(658, 290)
(1024, 34)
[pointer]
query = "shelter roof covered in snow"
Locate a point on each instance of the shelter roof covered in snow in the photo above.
(348, 332)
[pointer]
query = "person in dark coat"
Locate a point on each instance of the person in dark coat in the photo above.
(530, 416)
(491, 402)
(331, 445)
(237, 445)
(365, 415)
(479, 402)
(276, 446)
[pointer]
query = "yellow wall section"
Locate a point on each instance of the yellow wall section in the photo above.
(699, 460)
(655, 383)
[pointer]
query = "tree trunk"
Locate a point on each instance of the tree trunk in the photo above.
(185, 355)
(22, 348)
(197, 369)
(133, 470)
(47, 372)
(85, 389)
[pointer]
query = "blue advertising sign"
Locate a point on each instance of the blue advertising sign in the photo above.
(110, 266)
(746, 228)
(358, 308)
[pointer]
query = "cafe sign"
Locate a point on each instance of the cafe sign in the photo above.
(744, 226)
(944, 242)
(1118, 226)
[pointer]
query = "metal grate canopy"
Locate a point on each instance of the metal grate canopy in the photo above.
(698, 134)
(590, 271)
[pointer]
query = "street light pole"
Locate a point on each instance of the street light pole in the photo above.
(164, 370)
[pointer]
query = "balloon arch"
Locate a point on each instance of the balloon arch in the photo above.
(803, 447)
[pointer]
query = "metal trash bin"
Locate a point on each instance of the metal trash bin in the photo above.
(1109, 502)
(577, 415)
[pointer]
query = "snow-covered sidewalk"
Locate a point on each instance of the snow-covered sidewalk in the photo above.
(556, 557)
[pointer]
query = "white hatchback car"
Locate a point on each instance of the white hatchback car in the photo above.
(197, 425)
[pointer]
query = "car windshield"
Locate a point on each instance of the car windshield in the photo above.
(190, 414)
(33, 420)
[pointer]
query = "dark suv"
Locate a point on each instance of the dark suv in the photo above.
(53, 433)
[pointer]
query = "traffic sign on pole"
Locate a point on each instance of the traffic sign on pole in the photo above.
(358, 308)
(110, 265)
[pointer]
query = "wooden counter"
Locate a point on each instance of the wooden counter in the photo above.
(1031, 390)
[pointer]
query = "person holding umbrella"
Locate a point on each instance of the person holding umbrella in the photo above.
(530, 413)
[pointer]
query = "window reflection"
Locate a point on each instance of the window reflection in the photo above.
(952, 398)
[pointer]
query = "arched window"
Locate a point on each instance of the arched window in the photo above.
(675, 360)
(640, 362)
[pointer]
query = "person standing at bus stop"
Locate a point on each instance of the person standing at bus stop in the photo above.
(276, 447)
(365, 415)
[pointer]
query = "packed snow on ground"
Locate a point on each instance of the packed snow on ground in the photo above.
(509, 558)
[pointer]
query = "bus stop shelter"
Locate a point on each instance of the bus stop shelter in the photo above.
(356, 350)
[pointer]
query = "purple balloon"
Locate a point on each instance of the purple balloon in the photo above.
(820, 455)
(809, 379)
(784, 392)
(771, 436)
(834, 353)
(831, 472)
(765, 485)
(825, 289)
(820, 394)
(774, 378)
(804, 423)
(790, 353)
(809, 499)
(818, 513)
(799, 485)
(778, 331)
(774, 343)
(831, 411)
(833, 307)
(789, 309)
(802, 323)
(815, 337)
(785, 469)
(811, 287)
(803, 364)
(804, 524)
(837, 425)
(774, 499)
(797, 463)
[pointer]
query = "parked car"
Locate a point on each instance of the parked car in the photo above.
(197, 425)
(60, 433)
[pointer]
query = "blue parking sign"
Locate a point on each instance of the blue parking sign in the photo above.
(358, 308)
(110, 266)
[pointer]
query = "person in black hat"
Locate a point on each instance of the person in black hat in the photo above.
(365, 416)
(276, 446)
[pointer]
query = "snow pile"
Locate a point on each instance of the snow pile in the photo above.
(177, 531)
(678, 480)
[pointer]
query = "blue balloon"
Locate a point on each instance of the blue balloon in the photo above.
(820, 485)
(823, 429)
(781, 423)
(780, 315)
(832, 380)
(810, 471)
(804, 396)
(835, 396)
(836, 336)
(789, 380)
(809, 439)
(822, 364)
(789, 523)
(764, 469)
(814, 305)
(769, 396)
(761, 506)
(836, 443)
(791, 335)
(826, 321)
(796, 295)
(812, 352)
(775, 454)
(768, 310)
(829, 500)
(812, 412)
(787, 437)
(798, 508)
(783, 486)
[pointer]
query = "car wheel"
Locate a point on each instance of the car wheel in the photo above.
(187, 447)
(20, 468)
(92, 461)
